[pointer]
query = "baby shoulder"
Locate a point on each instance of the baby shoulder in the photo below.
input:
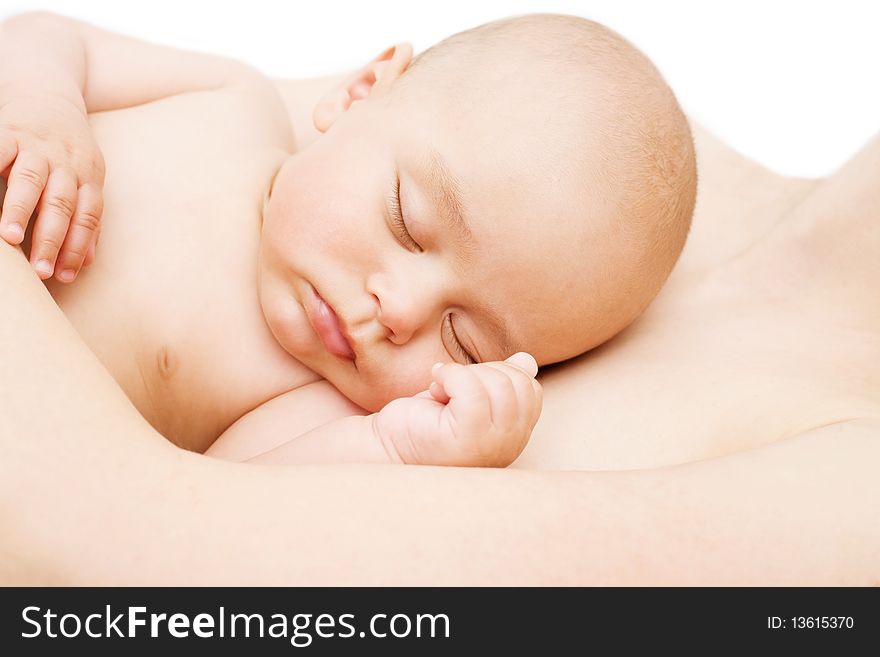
(262, 112)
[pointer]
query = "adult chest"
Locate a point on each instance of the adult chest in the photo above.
(708, 371)
(170, 304)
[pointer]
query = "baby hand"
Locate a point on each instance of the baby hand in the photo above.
(53, 165)
(472, 415)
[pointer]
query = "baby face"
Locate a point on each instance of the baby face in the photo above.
(414, 232)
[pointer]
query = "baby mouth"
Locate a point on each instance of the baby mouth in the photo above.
(327, 326)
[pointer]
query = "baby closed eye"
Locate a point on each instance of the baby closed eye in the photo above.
(398, 222)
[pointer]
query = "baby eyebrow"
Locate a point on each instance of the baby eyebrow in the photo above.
(500, 334)
(447, 194)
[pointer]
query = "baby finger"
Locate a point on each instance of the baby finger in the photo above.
(56, 208)
(8, 151)
(90, 254)
(537, 403)
(525, 361)
(83, 233)
(468, 399)
(502, 393)
(523, 390)
(26, 182)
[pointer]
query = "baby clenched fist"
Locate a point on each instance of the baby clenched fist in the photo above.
(471, 415)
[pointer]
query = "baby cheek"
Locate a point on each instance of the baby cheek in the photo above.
(389, 385)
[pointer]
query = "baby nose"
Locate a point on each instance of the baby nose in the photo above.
(402, 306)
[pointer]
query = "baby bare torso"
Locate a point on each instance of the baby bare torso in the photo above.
(170, 304)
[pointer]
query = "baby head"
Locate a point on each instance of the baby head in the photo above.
(526, 185)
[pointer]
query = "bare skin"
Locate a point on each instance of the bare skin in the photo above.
(172, 314)
(166, 360)
(759, 352)
(801, 510)
(201, 291)
(759, 335)
(204, 245)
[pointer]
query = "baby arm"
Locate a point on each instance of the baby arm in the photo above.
(474, 415)
(54, 71)
(103, 70)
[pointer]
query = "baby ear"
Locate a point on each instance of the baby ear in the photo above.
(375, 77)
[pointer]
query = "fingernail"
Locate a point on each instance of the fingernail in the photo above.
(435, 367)
(66, 275)
(44, 267)
(15, 231)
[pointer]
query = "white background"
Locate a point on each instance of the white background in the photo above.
(795, 85)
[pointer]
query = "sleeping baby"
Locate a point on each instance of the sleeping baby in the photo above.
(365, 268)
